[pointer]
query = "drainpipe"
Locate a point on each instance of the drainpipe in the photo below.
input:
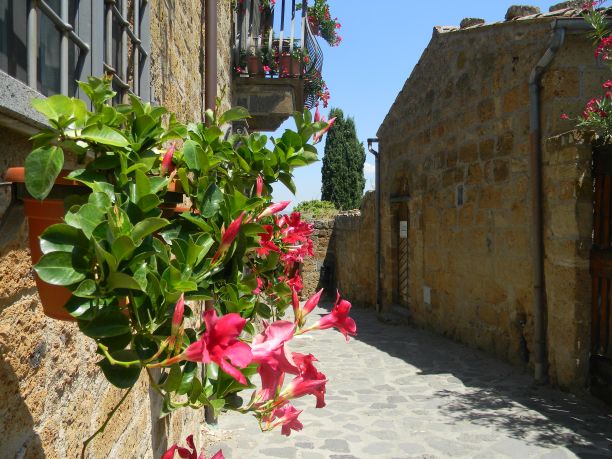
(560, 27)
(210, 101)
(210, 59)
(378, 232)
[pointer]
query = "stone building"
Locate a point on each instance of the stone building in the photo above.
(52, 395)
(459, 238)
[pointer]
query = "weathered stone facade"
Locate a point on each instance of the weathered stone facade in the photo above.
(52, 395)
(355, 248)
(454, 152)
(318, 271)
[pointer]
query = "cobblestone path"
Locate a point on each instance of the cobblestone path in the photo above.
(398, 392)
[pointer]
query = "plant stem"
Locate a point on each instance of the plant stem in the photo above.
(116, 362)
(103, 426)
(154, 383)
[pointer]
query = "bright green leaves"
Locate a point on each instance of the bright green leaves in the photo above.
(146, 227)
(104, 135)
(62, 238)
(61, 110)
(87, 218)
(42, 166)
(234, 114)
(56, 268)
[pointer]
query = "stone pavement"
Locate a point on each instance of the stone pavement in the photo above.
(398, 392)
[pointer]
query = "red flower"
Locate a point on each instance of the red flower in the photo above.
(220, 344)
(228, 236)
(268, 350)
(259, 186)
(273, 209)
(177, 316)
(338, 318)
(603, 48)
(186, 453)
(317, 115)
(287, 416)
(319, 135)
(309, 382)
(166, 165)
(311, 303)
(564, 116)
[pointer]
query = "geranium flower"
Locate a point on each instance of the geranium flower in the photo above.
(220, 344)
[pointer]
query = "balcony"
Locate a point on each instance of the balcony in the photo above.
(277, 61)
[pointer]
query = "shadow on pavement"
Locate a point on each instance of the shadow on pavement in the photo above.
(491, 392)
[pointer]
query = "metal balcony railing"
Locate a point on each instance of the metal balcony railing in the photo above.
(264, 37)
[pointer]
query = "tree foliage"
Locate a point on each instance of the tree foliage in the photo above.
(343, 181)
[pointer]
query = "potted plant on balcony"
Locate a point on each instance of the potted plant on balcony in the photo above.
(254, 62)
(322, 24)
(135, 273)
(298, 58)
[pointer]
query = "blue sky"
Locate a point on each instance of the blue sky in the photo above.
(382, 41)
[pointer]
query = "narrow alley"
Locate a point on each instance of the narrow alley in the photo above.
(398, 392)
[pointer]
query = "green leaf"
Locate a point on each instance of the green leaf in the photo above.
(122, 248)
(42, 166)
(56, 268)
(120, 376)
(104, 135)
(79, 307)
(108, 323)
(86, 289)
(217, 405)
(173, 381)
(234, 114)
(194, 155)
(62, 238)
(54, 107)
(119, 280)
(148, 226)
(148, 202)
(189, 371)
(87, 218)
(211, 202)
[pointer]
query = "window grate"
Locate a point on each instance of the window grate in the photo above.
(48, 44)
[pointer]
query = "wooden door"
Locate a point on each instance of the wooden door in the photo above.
(601, 272)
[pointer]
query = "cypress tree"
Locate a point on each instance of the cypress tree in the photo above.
(342, 173)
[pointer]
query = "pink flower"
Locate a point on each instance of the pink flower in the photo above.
(309, 382)
(186, 453)
(607, 85)
(603, 48)
(259, 186)
(319, 135)
(564, 116)
(166, 165)
(268, 350)
(177, 316)
(273, 209)
(317, 116)
(287, 416)
(260, 285)
(220, 344)
(311, 303)
(338, 318)
(228, 236)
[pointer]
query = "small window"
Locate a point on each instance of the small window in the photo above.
(459, 196)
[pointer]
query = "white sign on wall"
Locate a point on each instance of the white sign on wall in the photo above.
(403, 230)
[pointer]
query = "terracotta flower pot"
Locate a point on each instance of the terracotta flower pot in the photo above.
(41, 215)
(296, 67)
(285, 66)
(255, 66)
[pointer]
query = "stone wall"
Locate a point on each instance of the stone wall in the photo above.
(568, 217)
(318, 271)
(466, 131)
(52, 395)
(355, 247)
